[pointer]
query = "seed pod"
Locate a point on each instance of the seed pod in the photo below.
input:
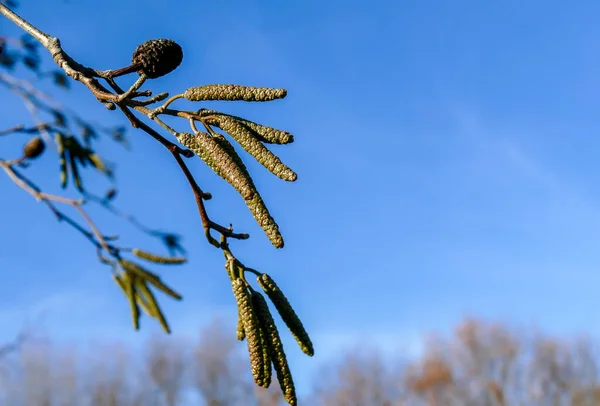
(252, 329)
(266, 334)
(287, 313)
(34, 148)
(233, 92)
(158, 57)
(265, 221)
(220, 161)
(159, 259)
(275, 347)
(255, 148)
(268, 135)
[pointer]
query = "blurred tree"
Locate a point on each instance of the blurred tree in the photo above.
(479, 364)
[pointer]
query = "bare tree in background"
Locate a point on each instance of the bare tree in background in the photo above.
(166, 366)
(479, 364)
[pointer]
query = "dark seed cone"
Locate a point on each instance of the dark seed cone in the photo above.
(158, 57)
(287, 313)
(254, 147)
(268, 135)
(34, 148)
(252, 329)
(220, 160)
(275, 348)
(233, 92)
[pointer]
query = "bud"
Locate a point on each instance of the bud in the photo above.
(34, 148)
(158, 57)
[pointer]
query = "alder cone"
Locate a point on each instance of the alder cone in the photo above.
(34, 148)
(158, 57)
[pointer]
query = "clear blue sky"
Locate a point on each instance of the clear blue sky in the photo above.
(447, 154)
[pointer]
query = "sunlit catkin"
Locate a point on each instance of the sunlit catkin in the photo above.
(60, 146)
(275, 348)
(287, 313)
(266, 325)
(268, 135)
(233, 92)
(254, 147)
(220, 161)
(263, 218)
(159, 259)
(252, 330)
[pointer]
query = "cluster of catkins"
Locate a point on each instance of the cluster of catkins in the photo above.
(256, 325)
(220, 155)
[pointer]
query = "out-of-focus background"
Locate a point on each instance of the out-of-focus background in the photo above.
(447, 160)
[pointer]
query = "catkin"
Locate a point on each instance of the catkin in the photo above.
(220, 161)
(268, 135)
(287, 313)
(125, 281)
(153, 307)
(60, 146)
(233, 92)
(255, 148)
(275, 348)
(150, 277)
(266, 324)
(252, 329)
(159, 259)
(265, 221)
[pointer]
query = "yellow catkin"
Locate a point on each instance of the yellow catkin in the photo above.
(255, 148)
(60, 146)
(275, 348)
(233, 92)
(287, 313)
(146, 293)
(217, 158)
(239, 331)
(159, 259)
(226, 145)
(139, 300)
(230, 267)
(266, 324)
(265, 221)
(125, 282)
(255, 204)
(268, 135)
(149, 277)
(252, 329)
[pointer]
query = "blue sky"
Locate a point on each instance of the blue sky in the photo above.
(446, 152)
